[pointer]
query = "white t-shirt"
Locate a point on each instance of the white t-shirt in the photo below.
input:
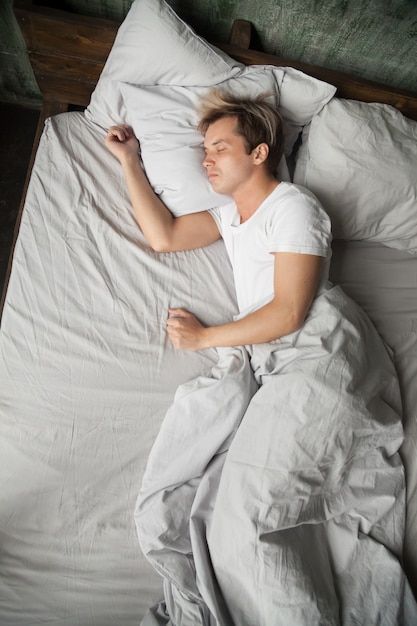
(290, 219)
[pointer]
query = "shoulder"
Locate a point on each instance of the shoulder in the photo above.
(297, 222)
(297, 200)
(295, 205)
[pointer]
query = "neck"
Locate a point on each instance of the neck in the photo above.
(252, 193)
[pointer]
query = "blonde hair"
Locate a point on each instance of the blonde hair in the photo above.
(256, 121)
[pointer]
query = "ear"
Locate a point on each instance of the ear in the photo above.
(260, 153)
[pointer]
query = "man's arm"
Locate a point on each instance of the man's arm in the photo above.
(296, 278)
(163, 232)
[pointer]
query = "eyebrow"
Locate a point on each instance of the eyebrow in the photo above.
(215, 143)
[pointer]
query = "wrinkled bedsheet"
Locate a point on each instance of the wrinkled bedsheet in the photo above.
(86, 377)
(274, 492)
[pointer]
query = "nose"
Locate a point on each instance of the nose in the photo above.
(208, 161)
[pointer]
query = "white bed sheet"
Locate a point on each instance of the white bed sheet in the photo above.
(86, 375)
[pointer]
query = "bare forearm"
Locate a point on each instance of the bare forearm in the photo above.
(267, 323)
(163, 231)
(152, 215)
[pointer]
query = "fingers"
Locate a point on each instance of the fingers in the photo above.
(122, 132)
(182, 333)
(177, 318)
(176, 342)
(174, 336)
(176, 327)
(178, 313)
(174, 322)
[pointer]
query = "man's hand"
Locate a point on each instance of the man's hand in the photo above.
(185, 330)
(121, 142)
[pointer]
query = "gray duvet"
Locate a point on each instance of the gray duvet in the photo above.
(274, 492)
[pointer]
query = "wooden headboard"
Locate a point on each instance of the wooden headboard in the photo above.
(68, 51)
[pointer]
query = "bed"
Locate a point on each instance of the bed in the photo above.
(87, 373)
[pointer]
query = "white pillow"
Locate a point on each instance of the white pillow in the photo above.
(361, 161)
(154, 46)
(301, 98)
(165, 118)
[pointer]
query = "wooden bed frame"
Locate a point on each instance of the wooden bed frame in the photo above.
(68, 51)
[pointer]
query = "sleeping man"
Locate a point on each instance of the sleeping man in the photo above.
(277, 257)
(274, 492)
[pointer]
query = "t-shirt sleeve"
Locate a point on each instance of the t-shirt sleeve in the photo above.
(216, 215)
(301, 226)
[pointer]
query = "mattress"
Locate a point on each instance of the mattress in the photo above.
(87, 374)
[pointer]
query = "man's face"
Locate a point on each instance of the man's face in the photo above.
(227, 163)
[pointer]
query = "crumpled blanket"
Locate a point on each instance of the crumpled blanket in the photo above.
(274, 493)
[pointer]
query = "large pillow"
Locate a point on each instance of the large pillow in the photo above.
(361, 161)
(154, 46)
(165, 120)
(301, 98)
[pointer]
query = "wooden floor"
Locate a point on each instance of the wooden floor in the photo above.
(17, 127)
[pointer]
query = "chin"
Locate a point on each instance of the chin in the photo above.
(214, 185)
(217, 187)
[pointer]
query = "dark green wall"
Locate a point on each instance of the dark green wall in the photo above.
(375, 39)
(16, 78)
